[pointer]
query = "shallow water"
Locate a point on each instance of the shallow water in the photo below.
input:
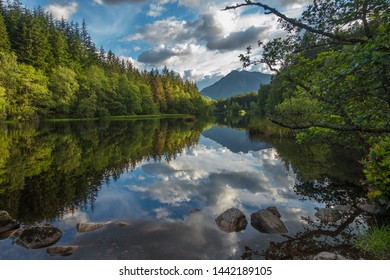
(165, 182)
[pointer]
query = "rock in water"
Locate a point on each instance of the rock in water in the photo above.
(61, 250)
(39, 237)
(266, 222)
(232, 220)
(7, 223)
(85, 227)
(328, 256)
(368, 208)
(274, 211)
(328, 215)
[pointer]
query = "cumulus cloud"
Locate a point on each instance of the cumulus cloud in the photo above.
(205, 30)
(205, 47)
(162, 54)
(236, 40)
(157, 7)
(62, 9)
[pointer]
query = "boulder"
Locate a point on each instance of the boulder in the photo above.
(232, 220)
(274, 211)
(88, 227)
(368, 208)
(7, 223)
(328, 256)
(39, 236)
(267, 222)
(343, 208)
(327, 215)
(61, 251)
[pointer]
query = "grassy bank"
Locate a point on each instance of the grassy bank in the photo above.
(269, 129)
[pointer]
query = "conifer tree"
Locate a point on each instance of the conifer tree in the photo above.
(5, 44)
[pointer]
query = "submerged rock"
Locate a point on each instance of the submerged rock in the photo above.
(195, 210)
(267, 222)
(328, 256)
(327, 215)
(7, 223)
(61, 251)
(124, 224)
(39, 237)
(88, 227)
(232, 220)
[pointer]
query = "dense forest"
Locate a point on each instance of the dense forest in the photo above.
(236, 104)
(332, 79)
(52, 69)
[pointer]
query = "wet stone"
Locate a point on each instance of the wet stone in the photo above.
(274, 211)
(195, 210)
(232, 220)
(39, 237)
(7, 223)
(328, 215)
(61, 251)
(266, 222)
(124, 224)
(328, 256)
(368, 208)
(343, 208)
(88, 227)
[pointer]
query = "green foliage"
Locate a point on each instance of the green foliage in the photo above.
(377, 172)
(64, 85)
(53, 69)
(268, 129)
(333, 79)
(4, 40)
(234, 104)
(375, 242)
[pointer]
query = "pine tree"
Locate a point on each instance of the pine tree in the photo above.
(5, 44)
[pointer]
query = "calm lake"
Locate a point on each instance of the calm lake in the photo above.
(158, 186)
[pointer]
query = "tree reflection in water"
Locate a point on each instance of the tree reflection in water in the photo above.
(327, 174)
(49, 169)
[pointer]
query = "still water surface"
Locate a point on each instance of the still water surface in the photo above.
(165, 182)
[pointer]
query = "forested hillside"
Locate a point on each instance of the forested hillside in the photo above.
(233, 105)
(52, 69)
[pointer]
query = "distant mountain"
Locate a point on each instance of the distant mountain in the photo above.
(236, 82)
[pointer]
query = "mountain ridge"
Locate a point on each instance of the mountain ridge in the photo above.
(236, 82)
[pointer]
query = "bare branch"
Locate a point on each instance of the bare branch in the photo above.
(295, 22)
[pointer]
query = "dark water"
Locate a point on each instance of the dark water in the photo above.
(166, 181)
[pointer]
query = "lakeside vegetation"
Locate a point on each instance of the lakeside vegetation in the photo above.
(331, 84)
(332, 80)
(52, 69)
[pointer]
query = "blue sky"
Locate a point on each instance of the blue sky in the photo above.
(193, 37)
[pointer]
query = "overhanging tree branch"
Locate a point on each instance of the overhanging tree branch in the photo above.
(333, 127)
(296, 23)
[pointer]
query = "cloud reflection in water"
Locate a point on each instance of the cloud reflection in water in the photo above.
(209, 177)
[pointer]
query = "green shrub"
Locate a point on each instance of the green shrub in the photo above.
(377, 172)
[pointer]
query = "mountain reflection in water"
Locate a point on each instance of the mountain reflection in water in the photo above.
(164, 180)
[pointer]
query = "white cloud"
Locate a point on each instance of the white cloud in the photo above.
(157, 7)
(62, 10)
